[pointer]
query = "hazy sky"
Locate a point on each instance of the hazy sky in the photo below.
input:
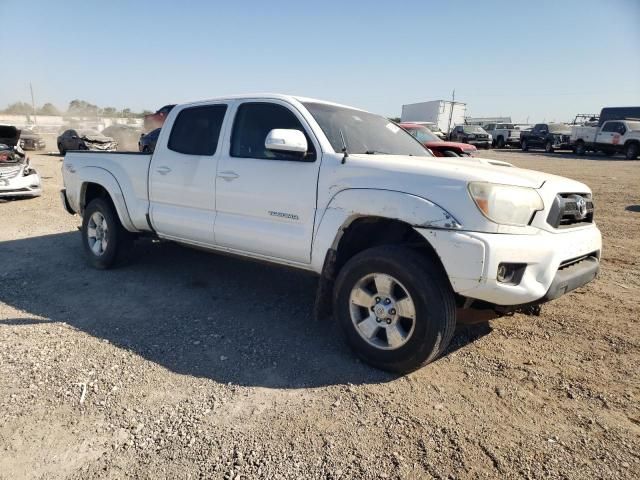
(541, 60)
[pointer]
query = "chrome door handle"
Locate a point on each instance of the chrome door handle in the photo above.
(163, 170)
(228, 175)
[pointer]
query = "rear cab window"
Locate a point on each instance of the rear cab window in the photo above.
(196, 130)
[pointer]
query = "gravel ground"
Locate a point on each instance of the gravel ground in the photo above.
(193, 365)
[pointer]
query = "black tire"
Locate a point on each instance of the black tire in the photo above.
(450, 153)
(631, 151)
(548, 147)
(119, 240)
(500, 142)
(61, 149)
(581, 148)
(432, 296)
(524, 146)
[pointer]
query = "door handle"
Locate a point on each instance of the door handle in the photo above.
(228, 175)
(163, 170)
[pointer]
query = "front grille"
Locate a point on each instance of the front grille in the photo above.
(571, 210)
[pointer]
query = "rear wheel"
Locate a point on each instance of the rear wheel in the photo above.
(106, 242)
(500, 143)
(581, 148)
(524, 146)
(395, 307)
(631, 151)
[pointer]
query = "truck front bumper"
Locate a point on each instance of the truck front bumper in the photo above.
(553, 263)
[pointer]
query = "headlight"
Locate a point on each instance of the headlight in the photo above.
(506, 204)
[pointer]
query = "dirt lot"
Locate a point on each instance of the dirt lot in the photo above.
(190, 365)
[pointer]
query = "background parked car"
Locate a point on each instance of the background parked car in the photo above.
(73, 139)
(550, 136)
(439, 147)
(156, 120)
(471, 134)
(125, 135)
(503, 134)
(30, 140)
(147, 143)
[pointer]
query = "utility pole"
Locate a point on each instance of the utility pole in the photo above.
(33, 104)
(453, 101)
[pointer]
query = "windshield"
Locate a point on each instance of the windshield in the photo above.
(363, 132)
(422, 134)
(508, 126)
(559, 128)
(473, 129)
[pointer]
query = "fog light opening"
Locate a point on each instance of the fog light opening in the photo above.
(510, 273)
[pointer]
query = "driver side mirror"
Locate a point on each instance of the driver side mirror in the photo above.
(286, 140)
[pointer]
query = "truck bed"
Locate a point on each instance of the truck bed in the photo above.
(586, 134)
(126, 173)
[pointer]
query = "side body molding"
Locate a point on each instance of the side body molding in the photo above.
(351, 204)
(105, 179)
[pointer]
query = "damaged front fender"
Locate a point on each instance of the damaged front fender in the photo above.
(351, 204)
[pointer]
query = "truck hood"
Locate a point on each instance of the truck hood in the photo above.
(462, 169)
(444, 182)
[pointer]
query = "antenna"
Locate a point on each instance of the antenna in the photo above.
(344, 148)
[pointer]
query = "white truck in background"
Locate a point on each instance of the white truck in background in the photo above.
(443, 113)
(613, 136)
(503, 134)
(403, 242)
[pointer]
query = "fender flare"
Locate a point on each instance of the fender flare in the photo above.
(105, 179)
(351, 204)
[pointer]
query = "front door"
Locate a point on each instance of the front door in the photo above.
(182, 175)
(265, 199)
(610, 134)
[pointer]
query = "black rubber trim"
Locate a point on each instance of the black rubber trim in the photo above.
(572, 277)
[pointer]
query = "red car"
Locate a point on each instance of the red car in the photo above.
(156, 120)
(440, 148)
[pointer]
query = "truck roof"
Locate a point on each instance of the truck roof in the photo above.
(270, 96)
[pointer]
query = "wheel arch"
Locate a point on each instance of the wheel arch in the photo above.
(99, 183)
(356, 219)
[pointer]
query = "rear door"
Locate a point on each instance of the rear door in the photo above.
(182, 175)
(266, 200)
(538, 134)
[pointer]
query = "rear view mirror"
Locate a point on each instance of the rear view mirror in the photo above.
(286, 140)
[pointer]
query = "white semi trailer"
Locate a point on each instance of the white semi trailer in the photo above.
(444, 113)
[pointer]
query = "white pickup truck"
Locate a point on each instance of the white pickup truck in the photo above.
(404, 243)
(613, 136)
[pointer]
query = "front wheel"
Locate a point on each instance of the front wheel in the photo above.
(500, 143)
(581, 148)
(631, 152)
(396, 308)
(548, 147)
(106, 242)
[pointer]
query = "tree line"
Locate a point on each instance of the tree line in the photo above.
(75, 108)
